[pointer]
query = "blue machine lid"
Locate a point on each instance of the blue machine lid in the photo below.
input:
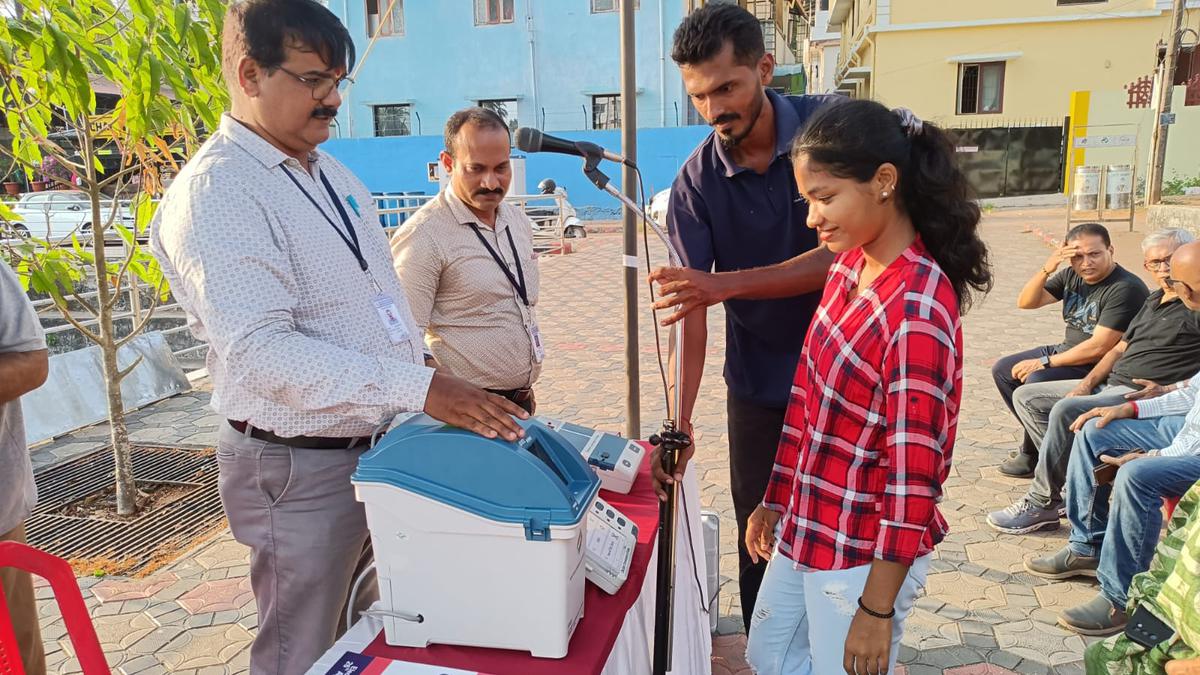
(538, 481)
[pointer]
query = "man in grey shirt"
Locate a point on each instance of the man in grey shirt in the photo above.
(23, 367)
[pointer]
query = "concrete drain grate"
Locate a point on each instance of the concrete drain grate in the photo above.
(154, 536)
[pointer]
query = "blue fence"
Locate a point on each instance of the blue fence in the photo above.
(399, 164)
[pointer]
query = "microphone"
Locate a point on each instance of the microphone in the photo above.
(532, 140)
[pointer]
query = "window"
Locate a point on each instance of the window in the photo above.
(489, 12)
(504, 107)
(980, 88)
(611, 5)
(393, 120)
(391, 24)
(824, 5)
(606, 111)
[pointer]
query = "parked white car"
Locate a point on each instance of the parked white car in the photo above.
(56, 214)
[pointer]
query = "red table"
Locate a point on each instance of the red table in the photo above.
(595, 635)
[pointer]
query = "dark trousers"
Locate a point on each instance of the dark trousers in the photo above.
(1007, 384)
(753, 439)
(522, 397)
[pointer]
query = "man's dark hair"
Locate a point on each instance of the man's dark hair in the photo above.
(264, 29)
(704, 32)
(480, 117)
(1089, 229)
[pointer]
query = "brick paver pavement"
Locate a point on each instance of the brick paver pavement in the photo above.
(981, 615)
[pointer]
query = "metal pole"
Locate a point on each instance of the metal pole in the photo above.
(633, 407)
(1163, 107)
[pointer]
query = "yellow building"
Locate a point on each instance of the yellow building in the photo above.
(996, 63)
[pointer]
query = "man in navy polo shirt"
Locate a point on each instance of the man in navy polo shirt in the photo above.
(734, 206)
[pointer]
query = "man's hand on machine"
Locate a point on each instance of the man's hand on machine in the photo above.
(457, 402)
(686, 290)
(661, 479)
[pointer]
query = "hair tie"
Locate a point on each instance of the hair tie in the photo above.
(911, 123)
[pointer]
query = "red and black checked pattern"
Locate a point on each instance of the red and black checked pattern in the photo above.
(870, 427)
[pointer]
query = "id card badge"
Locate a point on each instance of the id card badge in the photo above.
(389, 316)
(539, 350)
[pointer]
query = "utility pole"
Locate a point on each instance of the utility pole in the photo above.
(1166, 84)
(633, 404)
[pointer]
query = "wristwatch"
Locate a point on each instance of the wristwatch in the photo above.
(1045, 361)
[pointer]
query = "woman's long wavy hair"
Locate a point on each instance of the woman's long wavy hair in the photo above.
(854, 138)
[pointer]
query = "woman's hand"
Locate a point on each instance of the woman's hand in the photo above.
(868, 645)
(760, 533)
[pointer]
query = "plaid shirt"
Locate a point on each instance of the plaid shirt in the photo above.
(870, 427)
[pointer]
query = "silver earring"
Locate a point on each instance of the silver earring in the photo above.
(884, 195)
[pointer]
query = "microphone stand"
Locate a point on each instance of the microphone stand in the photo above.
(670, 439)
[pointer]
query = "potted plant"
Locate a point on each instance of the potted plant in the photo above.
(9, 176)
(54, 175)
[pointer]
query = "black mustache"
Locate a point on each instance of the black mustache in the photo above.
(727, 117)
(483, 191)
(325, 112)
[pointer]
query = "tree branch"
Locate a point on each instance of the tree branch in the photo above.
(120, 174)
(86, 305)
(61, 305)
(122, 374)
(141, 325)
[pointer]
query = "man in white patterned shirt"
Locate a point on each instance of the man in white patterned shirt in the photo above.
(466, 261)
(275, 251)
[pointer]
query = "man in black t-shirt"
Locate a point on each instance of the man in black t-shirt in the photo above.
(1099, 299)
(1160, 349)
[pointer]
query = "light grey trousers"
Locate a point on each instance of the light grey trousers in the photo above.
(308, 541)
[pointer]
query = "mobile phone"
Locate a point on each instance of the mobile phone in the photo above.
(1146, 629)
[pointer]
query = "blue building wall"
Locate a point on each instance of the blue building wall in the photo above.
(398, 164)
(552, 58)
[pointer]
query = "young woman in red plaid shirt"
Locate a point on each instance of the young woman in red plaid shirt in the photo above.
(850, 518)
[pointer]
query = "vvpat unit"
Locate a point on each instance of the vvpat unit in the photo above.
(615, 459)
(477, 541)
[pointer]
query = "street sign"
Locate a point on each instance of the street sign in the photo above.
(1167, 118)
(967, 148)
(1106, 141)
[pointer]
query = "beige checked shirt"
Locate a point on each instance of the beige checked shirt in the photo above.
(475, 323)
(296, 345)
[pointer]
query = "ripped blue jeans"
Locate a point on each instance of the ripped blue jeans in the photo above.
(802, 618)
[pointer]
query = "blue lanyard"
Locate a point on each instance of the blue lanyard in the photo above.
(351, 240)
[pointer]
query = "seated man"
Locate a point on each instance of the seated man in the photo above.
(1099, 300)
(1167, 590)
(1161, 345)
(1158, 451)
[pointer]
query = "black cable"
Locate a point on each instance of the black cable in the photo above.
(662, 370)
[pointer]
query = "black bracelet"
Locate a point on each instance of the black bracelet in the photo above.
(871, 612)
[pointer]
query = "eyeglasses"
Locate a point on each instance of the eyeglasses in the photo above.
(320, 86)
(1176, 282)
(1158, 264)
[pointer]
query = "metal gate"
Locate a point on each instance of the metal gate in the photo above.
(1011, 161)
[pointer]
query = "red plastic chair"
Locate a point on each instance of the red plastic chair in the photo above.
(70, 603)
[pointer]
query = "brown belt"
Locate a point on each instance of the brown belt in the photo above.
(303, 442)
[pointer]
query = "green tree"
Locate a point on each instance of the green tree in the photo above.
(163, 58)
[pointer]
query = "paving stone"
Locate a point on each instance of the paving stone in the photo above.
(117, 632)
(140, 664)
(217, 596)
(113, 590)
(204, 647)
